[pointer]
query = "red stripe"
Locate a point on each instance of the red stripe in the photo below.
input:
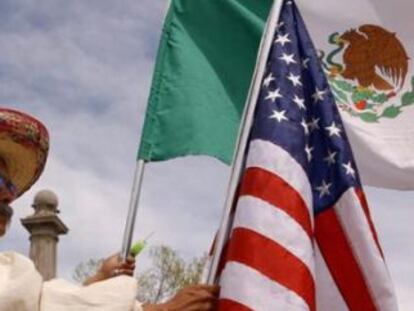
(274, 261)
(364, 203)
(274, 190)
(230, 305)
(341, 262)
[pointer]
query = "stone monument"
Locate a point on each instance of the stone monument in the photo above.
(45, 227)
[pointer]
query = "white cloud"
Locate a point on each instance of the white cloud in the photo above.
(84, 69)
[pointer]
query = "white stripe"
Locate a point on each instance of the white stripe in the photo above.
(361, 240)
(273, 223)
(249, 287)
(328, 297)
(272, 158)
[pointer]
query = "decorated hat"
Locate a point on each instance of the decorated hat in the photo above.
(24, 145)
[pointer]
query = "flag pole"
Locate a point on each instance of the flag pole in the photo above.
(244, 132)
(135, 195)
(133, 208)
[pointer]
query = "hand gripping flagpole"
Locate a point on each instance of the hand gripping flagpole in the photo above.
(133, 208)
(244, 132)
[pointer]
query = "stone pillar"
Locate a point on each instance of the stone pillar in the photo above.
(44, 227)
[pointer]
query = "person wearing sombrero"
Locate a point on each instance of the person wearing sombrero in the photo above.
(24, 145)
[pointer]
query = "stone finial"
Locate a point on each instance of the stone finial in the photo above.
(44, 227)
(45, 202)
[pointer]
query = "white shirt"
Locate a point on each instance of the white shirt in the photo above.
(22, 289)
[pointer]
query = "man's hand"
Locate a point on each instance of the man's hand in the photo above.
(112, 267)
(191, 298)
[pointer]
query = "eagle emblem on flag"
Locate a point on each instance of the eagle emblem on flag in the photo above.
(370, 80)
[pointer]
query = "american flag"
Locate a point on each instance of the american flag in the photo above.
(302, 237)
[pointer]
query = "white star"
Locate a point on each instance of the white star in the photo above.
(268, 79)
(283, 39)
(349, 169)
(273, 95)
(288, 59)
(308, 151)
(333, 130)
(318, 95)
(324, 189)
(330, 159)
(305, 126)
(294, 79)
(280, 25)
(314, 124)
(300, 102)
(279, 115)
(305, 62)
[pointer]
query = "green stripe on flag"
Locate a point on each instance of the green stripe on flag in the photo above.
(204, 66)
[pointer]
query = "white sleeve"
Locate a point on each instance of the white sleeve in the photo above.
(116, 294)
(20, 283)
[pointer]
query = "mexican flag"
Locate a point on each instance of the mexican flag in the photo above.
(367, 48)
(207, 57)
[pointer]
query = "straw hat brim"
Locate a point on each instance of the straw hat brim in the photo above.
(24, 145)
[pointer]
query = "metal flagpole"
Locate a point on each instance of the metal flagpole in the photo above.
(244, 132)
(135, 195)
(133, 208)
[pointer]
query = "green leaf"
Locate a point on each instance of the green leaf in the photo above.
(343, 85)
(408, 99)
(380, 98)
(339, 95)
(369, 117)
(391, 112)
(358, 96)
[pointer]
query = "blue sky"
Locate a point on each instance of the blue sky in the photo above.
(84, 68)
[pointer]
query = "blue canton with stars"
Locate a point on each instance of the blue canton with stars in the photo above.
(296, 110)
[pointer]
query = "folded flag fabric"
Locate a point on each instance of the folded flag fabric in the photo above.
(302, 237)
(204, 66)
(206, 59)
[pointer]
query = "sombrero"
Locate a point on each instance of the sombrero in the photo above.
(24, 145)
